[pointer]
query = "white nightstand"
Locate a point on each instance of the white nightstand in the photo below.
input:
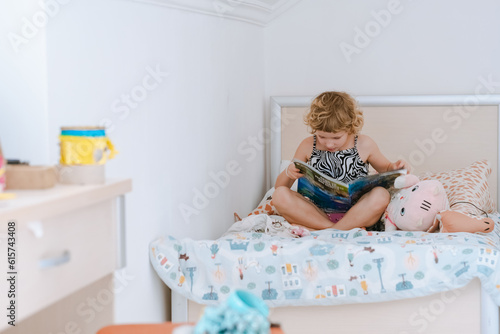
(68, 242)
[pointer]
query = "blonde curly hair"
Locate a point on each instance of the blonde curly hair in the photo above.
(334, 112)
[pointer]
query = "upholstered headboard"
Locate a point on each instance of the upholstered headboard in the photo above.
(431, 132)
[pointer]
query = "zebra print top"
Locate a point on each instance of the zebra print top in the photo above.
(345, 165)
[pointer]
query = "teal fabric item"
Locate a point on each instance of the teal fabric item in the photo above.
(241, 313)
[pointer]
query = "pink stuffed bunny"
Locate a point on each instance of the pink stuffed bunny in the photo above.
(414, 207)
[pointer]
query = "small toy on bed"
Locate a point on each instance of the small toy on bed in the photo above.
(415, 205)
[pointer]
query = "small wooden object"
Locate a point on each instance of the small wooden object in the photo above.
(30, 177)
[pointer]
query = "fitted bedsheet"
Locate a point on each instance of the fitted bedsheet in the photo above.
(329, 267)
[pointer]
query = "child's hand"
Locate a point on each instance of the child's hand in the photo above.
(293, 172)
(400, 164)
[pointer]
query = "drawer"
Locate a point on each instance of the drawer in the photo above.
(75, 250)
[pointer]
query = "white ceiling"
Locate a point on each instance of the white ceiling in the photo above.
(258, 12)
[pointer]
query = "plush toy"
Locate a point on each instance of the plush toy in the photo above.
(414, 207)
(424, 206)
(449, 221)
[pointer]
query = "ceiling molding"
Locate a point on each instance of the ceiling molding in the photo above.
(259, 12)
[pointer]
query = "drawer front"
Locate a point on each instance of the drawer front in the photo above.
(75, 250)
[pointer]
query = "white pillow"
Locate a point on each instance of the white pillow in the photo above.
(284, 164)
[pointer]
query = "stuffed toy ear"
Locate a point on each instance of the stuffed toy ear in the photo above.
(453, 221)
(405, 181)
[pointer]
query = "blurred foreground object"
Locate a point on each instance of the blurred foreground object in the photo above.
(241, 313)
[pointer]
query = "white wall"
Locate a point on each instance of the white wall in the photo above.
(23, 83)
(191, 123)
(427, 47)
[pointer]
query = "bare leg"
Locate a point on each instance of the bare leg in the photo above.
(367, 211)
(298, 210)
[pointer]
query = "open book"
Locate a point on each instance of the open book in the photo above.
(331, 195)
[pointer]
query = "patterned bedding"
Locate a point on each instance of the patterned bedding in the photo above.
(328, 267)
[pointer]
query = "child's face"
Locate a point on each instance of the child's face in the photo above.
(332, 141)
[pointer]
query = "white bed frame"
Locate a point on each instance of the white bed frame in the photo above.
(466, 121)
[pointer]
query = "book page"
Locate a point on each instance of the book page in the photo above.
(325, 192)
(331, 195)
(361, 186)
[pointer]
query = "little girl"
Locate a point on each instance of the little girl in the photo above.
(338, 150)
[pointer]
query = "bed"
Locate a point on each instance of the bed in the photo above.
(388, 282)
